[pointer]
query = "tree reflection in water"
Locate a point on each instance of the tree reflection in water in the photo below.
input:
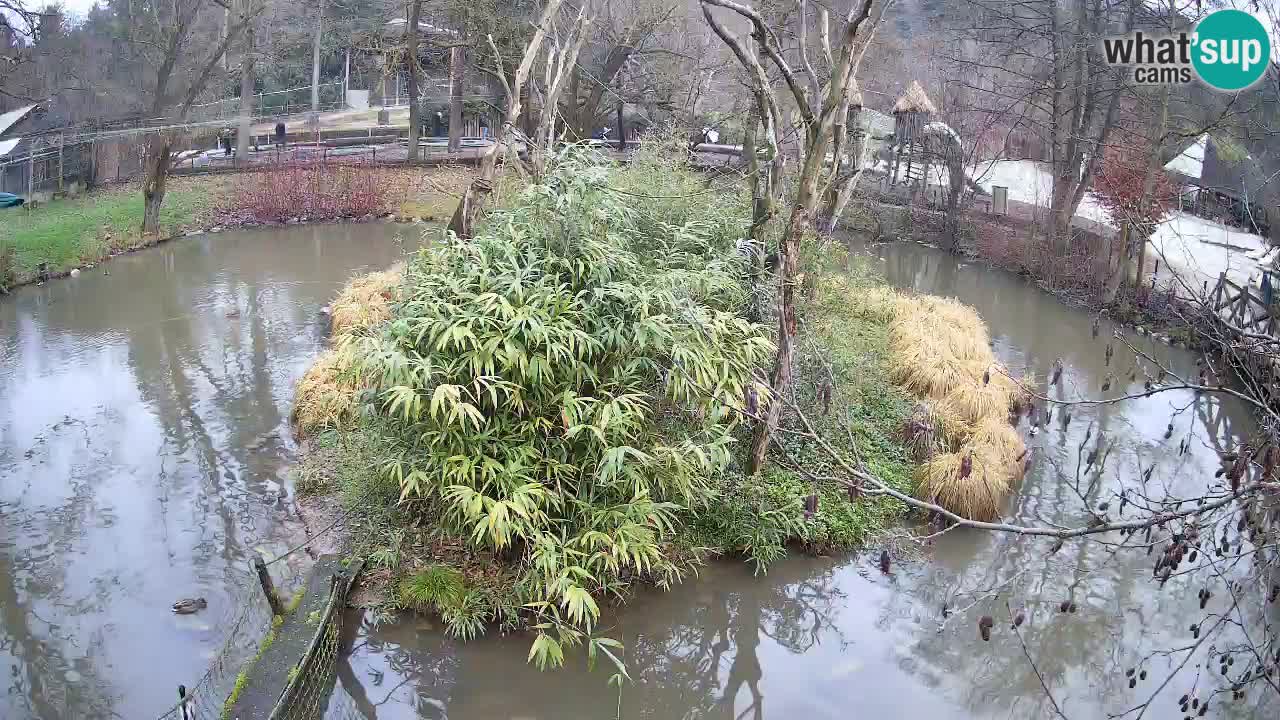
(691, 652)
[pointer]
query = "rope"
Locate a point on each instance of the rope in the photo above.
(341, 517)
(358, 503)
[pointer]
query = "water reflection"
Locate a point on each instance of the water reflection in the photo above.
(1124, 615)
(143, 442)
(797, 642)
(834, 638)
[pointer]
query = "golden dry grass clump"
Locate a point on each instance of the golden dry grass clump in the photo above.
(326, 395)
(940, 352)
(366, 301)
(878, 304)
(976, 492)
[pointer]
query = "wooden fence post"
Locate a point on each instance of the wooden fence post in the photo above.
(268, 587)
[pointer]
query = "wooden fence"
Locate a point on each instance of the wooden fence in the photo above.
(1243, 308)
(1250, 320)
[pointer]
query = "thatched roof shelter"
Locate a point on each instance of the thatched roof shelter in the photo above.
(914, 100)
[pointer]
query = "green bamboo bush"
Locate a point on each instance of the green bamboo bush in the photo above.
(564, 389)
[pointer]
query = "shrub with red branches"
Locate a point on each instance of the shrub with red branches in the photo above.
(1118, 186)
(1022, 249)
(314, 191)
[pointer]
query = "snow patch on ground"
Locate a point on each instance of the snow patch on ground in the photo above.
(1200, 250)
(1030, 182)
(1197, 249)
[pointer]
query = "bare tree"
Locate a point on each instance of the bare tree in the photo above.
(464, 216)
(851, 152)
(19, 28)
(411, 56)
(168, 40)
(624, 33)
(817, 107)
(561, 62)
(1040, 61)
(1215, 539)
(38, 54)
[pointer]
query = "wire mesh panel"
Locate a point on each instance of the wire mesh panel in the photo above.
(205, 697)
(311, 682)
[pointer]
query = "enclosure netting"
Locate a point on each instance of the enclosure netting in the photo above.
(306, 696)
(250, 622)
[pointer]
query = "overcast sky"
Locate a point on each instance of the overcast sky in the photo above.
(81, 7)
(78, 7)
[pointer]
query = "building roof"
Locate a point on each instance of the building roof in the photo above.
(1205, 164)
(7, 145)
(11, 118)
(914, 100)
(1190, 162)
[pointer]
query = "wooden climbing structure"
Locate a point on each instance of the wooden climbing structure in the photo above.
(911, 113)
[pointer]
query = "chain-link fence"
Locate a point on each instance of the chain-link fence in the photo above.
(271, 104)
(204, 700)
(47, 165)
(311, 682)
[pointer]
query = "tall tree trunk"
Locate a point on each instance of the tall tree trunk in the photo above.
(788, 268)
(1060, 211)
(759, 206)
(153, 185)
(457, 73)
(761, 187)
(315, 60)
(1117, 268)
(1135, 236)
(226, 27)
(953, 157)
(247, 82)
(411, 51)
(1150, 174)
(622, 128)
(527, 121)
(572, 110)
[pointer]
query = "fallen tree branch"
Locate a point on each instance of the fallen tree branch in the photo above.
(1061, 533)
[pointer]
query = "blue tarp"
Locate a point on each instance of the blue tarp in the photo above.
(9, 200)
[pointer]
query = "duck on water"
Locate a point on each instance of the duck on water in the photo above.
(188, 606)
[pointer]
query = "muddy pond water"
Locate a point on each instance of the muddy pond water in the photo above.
(144, 441)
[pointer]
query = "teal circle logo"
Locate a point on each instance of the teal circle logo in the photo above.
(1231, 50)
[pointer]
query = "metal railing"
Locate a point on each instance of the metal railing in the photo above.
(271, 104)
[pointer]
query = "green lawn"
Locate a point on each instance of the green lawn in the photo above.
(74, 231)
